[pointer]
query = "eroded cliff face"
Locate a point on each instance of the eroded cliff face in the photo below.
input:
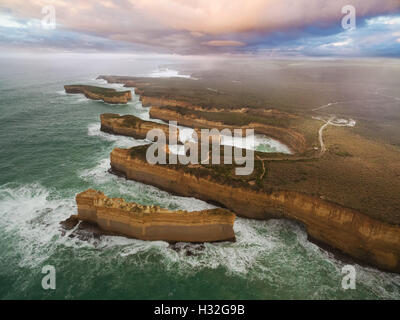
(294, 140)
(363, 238)
(161, 102)
(109, 95)
(131, 126)
(154, 223)
(158, 102)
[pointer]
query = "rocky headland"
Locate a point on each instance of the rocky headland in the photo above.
(345, 196)
(131, 126)
(294, 140)
(118, 217)
(280, 125)
(366, 239)
(98, 93)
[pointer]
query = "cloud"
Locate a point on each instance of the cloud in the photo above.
(224, 43)
(374, 38)
(9, 22)
(198, 26)
(227, 16)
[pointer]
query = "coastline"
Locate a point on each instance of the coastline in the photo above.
(373, 242)
(273, 257)
(116, 216)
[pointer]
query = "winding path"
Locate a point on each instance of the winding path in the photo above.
(321, 140)
(263, 165)
(334, 122)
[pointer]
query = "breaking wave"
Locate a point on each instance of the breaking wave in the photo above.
(264, 250)
(119, 141)
(167, 73)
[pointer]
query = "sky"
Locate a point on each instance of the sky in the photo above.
(198, 27)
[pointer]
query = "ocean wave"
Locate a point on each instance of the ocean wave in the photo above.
(276, 251)
(61, 92)
(112, 185)
(99, 174)
(104, 83)
(166, 73)
(267, 144)
(257, 142)
(31, 216)
(119, 141)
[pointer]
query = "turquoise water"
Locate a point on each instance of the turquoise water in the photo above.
(52, 148)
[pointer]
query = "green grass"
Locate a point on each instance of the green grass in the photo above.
(131, 121)
(232, 118)
(98, 90)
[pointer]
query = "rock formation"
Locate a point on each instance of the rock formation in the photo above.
(98, 93)
(294, 140)
(116, 216)
(131, 126)
(358, 235)
(313, 190)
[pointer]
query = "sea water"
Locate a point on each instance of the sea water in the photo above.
(52, 148)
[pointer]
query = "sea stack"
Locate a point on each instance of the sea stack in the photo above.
(353, 233)
(115, 215)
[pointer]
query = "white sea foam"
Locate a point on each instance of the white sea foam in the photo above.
(239, 257)
(166, 73)
(31, 214)
(271, 145)
(262, 248)
(99, 174)
(120, 141)
(104, 83)
(61, 92)
(136, 191)
(78, 99)
(257, 142)
(99, 81)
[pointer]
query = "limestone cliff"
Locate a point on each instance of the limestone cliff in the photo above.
(98, 93)
(294, 140)
(131, 126)
(158, 102)
(292, 137)
(162, 102)
(117, 216)
(356, 234)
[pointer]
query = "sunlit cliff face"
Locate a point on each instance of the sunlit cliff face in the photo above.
(192, 26)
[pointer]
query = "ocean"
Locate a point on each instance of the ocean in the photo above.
(52, 148)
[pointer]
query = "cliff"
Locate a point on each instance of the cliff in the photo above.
(130, 126)
(294, 140)
(197, 108)
(160, 101)
(163, 102)
(116, 216)
(365, 239)
(98, 93)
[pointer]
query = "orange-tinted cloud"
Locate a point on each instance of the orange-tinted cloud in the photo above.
(226, 16)
(224, 43)
(192, 25)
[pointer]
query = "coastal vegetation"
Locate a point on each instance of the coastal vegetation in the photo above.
(98, 93)
(339, 181)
